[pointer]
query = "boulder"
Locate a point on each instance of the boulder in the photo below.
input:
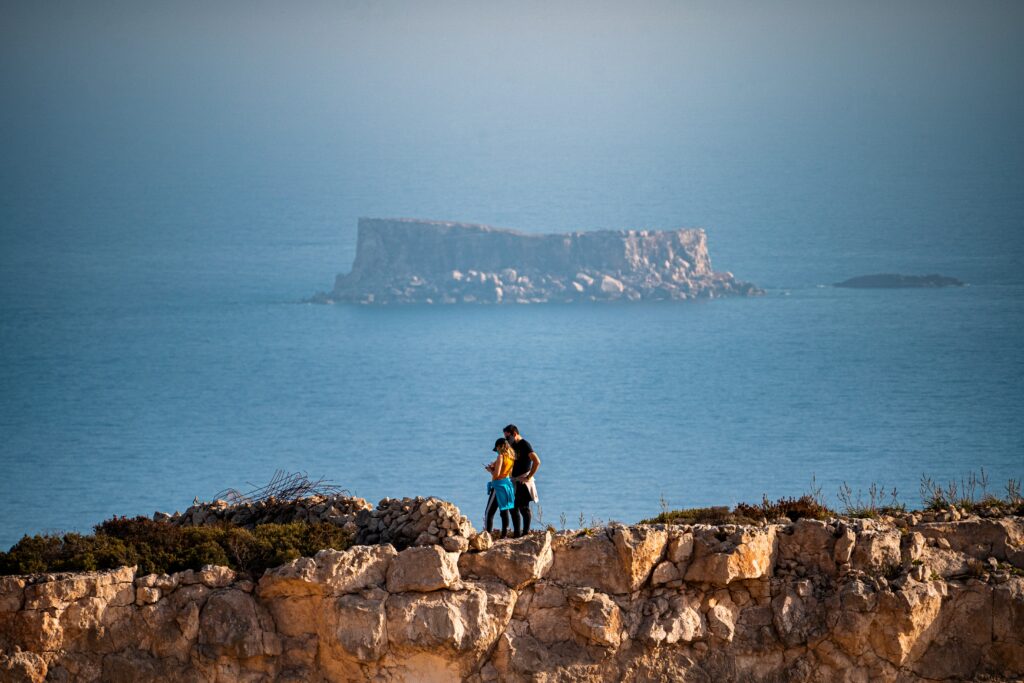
(610, 286)
(680, 622)
(455, 544)
(146, 596)
(979, 538)
(168, 628)
(517, 563)
(748, 553)
(680, 548)
(480, 541)
(945, 564)
(810, 543)
(596, 617)
(721, 618)
(843, 549)
(467, 620)
(905, 622)
(588, 560)
(422, 569)
(548, 624)
(797, 618)
(876, 550)
(57, 591)
(353, 628)
(329, 572)
(232, 625)
(12, 593)
(35, 630)
(213, 576)
(164, 582)
(851, 622)
(639, 549)
(912, 547)
(615, 561)
(665, 572)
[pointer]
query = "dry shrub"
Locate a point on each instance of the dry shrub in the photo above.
(161, 548)
(804, 507)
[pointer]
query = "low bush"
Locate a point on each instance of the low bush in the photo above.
(806, 506)
(971, 493)
(878, 501)
(711, 515)
(161, 548)
(794, 508)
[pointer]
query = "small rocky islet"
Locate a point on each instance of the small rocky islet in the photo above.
(897, 281)
(422, 595)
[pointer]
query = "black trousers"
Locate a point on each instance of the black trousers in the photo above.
(492, 507)
(521, 515)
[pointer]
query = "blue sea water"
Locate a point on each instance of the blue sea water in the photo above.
(154, 347)
(135, 381)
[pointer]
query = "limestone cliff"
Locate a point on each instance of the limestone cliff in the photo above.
(411, 261)
(845, 600)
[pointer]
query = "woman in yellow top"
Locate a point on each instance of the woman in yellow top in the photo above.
(501, 493)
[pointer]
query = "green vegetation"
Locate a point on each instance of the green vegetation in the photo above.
(875, 505)
(745, 513)
(712, 515)
(161, 548)
(972, 494)
(804, 507)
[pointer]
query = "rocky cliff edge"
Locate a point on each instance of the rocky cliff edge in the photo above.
(845, 600)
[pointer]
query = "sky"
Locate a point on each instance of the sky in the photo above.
(112, 107)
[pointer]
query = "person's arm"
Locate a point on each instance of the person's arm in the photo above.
(534, 466)
(493, 467)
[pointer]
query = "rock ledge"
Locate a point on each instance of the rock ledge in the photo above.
(845, 600)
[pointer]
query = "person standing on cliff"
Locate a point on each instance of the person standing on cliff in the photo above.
(523, 470)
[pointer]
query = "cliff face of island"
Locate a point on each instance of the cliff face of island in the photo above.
(412, 261)
(850, 600)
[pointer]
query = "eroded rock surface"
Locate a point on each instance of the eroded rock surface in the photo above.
(844, 600)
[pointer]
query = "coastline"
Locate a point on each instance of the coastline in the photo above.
(846, 599)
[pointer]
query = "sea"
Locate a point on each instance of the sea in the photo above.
(155, 346)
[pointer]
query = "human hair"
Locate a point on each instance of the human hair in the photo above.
(505, 450)
(511, 429)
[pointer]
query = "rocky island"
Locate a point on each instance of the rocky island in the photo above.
(403, 261)
(897, 281)
(419, 595)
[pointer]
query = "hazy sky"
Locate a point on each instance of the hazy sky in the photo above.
(451, 68)
(107, 99)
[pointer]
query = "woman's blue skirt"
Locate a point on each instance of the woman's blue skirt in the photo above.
(504, 493)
